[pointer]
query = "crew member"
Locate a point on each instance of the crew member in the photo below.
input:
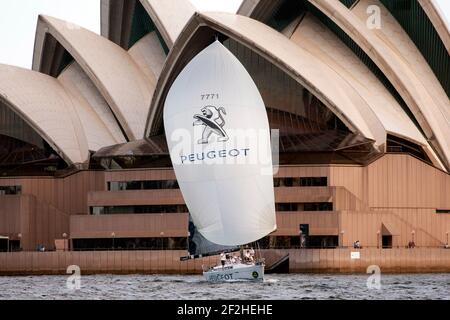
(247, 256)
(223, 259)
(252, 255)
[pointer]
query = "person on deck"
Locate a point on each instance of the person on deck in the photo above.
(223, 259)
(247, 256)
(252, 255)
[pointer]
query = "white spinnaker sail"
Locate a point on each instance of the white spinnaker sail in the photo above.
(219, 140)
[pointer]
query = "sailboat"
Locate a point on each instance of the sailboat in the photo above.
(218, 135)
(241, 264)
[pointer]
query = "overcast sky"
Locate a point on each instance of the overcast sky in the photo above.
(18, 21)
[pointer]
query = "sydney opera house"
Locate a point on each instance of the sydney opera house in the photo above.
(363, 112)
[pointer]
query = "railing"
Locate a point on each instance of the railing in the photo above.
(159, 262)
(443, 246)
(263, 248)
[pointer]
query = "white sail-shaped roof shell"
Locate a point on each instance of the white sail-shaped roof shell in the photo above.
(42, 102)
(113, 71)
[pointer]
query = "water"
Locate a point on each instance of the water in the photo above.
(299, 286)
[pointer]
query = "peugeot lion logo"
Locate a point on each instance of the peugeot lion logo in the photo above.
(212, 119)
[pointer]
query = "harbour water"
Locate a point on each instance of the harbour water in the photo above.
(283, 287)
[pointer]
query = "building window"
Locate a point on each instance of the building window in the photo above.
(307, 206)
(290, 242)
(10, 190)
(130, 244)
(442, 211)
(322, 242)
(318, 206)
(287, 182)
(287, 206)
(314, 182)
(399, 145)
(142, 185)
(147, 209)
(301, 182)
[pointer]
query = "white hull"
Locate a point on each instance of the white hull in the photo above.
(251, 272)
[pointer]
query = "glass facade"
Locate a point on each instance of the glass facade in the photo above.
(399, 145)
(291, 242)
(10, 190)
(146, 209)
(13, 126)
(285, 14)
(309, 131)
(362, 55)
(173, 184)
(289, 11)
(130, 244)
(146, 153)
(56, 57)
(158, 209)
(143, 25)
(420, 29)
(301, 182)
(22, 149)
(306, 206)
(142, 185)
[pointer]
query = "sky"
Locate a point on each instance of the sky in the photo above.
(18, 21)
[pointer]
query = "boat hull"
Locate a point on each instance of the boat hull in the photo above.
(231, 273)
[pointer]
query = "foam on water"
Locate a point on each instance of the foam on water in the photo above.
(270, 280)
